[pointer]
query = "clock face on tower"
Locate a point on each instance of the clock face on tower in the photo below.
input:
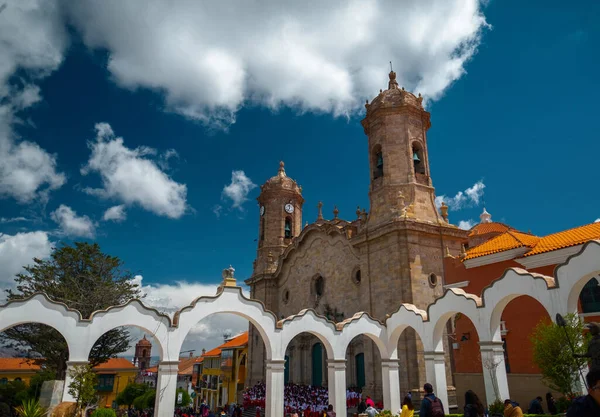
(262, 210)
(289, 208)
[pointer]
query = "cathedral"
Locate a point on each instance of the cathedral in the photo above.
(390, 255)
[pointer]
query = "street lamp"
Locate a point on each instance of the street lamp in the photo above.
(560, 320)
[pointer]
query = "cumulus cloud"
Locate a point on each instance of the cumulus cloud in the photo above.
(132, 177)
(13, 219)
(73, 225)
(466, 224)
(33, 39)
(315, 56)
(19, 250)
(208, 333)
(467, 198)
(115, 213)
(238, 190)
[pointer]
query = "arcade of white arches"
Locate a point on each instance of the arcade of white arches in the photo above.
(558, 294)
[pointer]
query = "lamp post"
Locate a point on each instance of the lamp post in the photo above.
(560, 320)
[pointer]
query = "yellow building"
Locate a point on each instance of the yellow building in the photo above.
(223, 371)
(113, 377)
(17, 369)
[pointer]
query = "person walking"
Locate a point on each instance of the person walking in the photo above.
(431, 406)
(535, 406)
(408, 410)
(473, 406)
(588, 406)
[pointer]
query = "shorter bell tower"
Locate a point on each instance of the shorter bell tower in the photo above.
(143, 353)
(280, 210)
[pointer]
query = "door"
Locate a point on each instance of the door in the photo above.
(317, 365)
(359, 361)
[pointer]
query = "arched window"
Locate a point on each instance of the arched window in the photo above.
(377, 162)
(3, 381)
(418, 162)
(317, 365)
(360, 370)
(288, 228)
(262, 229)
(319, 286)
(590, 297)
(18, 379)
(144, 353)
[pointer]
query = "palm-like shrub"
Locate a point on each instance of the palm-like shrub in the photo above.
(30, 408)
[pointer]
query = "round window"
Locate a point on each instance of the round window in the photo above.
(286, 296)
(319, 285)
(433, 279)
(357, 276)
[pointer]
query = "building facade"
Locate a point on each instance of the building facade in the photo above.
(491, 249)
(391, 255)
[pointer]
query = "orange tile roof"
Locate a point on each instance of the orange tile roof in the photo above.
(237, 341)
(17, 364)
(115, 363)
(215, 352)
(152, 369)
(506, 241)
(566, 238)
(485, 228)
(186, 365)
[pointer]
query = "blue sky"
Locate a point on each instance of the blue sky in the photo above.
(511, 86)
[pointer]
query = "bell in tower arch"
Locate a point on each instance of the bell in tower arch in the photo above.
(416, 159)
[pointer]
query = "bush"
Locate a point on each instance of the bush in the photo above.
(104, 412)
(145, 400)
(497, 407)
(185, 398)
(4, 410)
(562, 404)
(30, 408)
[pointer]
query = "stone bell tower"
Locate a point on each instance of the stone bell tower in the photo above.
(143, 353)
(396, 125)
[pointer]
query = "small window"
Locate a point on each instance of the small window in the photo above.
(288, 228)
(286, 296)
(356, 276)
(319, 286)
(377, 162)
(3, 381)
(433, 279)
(262, 229)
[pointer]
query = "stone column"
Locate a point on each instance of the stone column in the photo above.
(494, 371)
(336, 376)
(166, 386)
(390, 370)
(70, 366)
(274, 388)
(435, 370)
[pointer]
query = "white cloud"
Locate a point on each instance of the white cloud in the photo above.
(13, 219)
(130, 176)
(470, 197)
(217, 209)
(73, 225)
(597, 220)
(238, 190)
(19, 250)
(115, 213)
(315, 56)
(170, 297)
(466, 224)
(33, 39)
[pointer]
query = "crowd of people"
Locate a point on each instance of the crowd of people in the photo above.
(306, 400)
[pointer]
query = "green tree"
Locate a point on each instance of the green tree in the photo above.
(83, 386)
(130, 393)
(83, 278)
(552, 354)
(13, 393)
(185, 398)
(145, 401)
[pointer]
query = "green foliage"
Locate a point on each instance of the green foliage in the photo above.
(562, 404)
(145, 401)
(13, 393)
(4, 410)
(36, 382)
(552, 354)
(83, 385)
(496, 407)
(185, 400)
(84, 278)
(31, 408)
(130, 393)
(104, 412)
(386, 413)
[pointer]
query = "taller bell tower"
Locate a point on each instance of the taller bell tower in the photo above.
(396, 125)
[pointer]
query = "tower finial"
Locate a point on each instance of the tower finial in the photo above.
(485, 217)
(391, 69)
(320, 207)
(335, 212)
(393, 84)
(281, 172)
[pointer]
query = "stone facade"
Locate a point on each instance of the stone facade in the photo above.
(374, 263)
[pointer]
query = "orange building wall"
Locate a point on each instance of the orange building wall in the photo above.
(520, 316)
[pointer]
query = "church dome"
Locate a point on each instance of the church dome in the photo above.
(144, 342)
(394, 97)
(281, 182)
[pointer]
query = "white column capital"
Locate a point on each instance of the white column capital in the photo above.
(276, 365)
(336, 364)
(75, 363)
(491, 346)
(168, 367)
(390, 363)
(437, 356)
